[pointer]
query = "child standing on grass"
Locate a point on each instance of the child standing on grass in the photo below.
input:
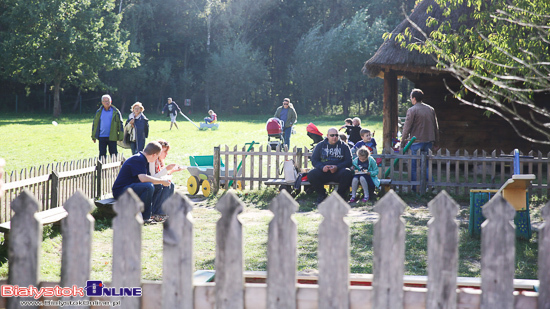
(353, 131)
(366, 140)
(368, 179)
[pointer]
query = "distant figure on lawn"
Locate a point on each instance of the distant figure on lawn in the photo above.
(421, 122)
(135, 174)
(288, 115)
(139, 127)
(332, 161)
(172, 109)
(107, 127)
(212, 117)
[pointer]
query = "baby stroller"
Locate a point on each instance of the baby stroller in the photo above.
(314, 134)
(274, 127)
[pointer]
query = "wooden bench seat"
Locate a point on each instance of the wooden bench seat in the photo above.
(105, 206)
(46, 217)
(385, 184)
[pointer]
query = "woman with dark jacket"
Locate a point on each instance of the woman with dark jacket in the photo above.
(138, 127)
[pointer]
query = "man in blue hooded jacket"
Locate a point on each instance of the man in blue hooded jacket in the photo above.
(332, 161)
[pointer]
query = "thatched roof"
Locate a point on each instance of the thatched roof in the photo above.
(391, 55)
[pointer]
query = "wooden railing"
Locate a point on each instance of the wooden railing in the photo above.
(281, 289)
(54, 183)
(457, 173)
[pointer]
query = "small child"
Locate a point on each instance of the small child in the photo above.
(369, 179)
(213, 117)
(353, 130)
(344, 139)
(367, 140)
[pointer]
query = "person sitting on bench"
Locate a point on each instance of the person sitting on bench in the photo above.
(331, 160)
(135, 174)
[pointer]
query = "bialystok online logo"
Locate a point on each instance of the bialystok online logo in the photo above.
(93, 288)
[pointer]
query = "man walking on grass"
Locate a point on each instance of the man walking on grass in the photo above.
(107, 127)
(172, 109)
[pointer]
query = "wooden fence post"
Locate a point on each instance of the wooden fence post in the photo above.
(422, 174)
(77, 230)
(217, 167)
(24, 246)
(442, 252)
(55, 190)
(498, 239)
(98, 169)
(299, 159)
(229, 254)
(177, 266)
(389, 252)
(281, 253)
(127, 226)
(334, 243)
(544, 260)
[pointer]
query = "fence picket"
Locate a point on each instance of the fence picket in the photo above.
(282, 253)
(127, 225)
(442, 252)
(177, 274)
(334, 243)
(77, 230)
(229, 254)
(24, 246)
(497, 254)
(389, 252)
(544, 260)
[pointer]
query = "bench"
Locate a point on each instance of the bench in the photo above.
(105, 206)
(49, 216)
(385, 184)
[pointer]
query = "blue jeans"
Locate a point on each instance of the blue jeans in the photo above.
(208, 120)
(423, 147)
(161, 194)
(103, 143)
(286, 136)
(145, 191)
(137, 146)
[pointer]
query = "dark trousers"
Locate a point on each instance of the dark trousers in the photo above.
(103, 143)
(317, 178)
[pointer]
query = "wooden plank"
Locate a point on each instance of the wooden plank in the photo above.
(24, 246)
(544, 259)
(25, 183)
(442, 252)
(229, 254)
(333, 251)
(77, 231)
(282, 253)
(389, 252)
(177, 274)
(127, 225)
(497, 254)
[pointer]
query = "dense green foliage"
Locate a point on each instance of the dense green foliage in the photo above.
(499, 51)
(230, 55)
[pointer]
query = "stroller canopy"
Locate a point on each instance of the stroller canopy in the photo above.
(311, 128)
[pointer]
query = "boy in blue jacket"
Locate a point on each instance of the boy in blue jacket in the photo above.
(332, 161)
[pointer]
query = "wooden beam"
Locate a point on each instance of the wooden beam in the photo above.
(390, 109)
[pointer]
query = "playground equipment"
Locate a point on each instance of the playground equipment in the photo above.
(213, 125)
(201, 169)
(514, 190)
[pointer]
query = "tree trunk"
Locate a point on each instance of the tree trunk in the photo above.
(56, 102)
(77, 101)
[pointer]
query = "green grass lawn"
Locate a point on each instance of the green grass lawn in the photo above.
(32, 141)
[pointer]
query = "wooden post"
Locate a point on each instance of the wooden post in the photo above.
(177, 267)
(77, 230)
(55, 190)
(421, 175)
(390, 109)
(299, 159)
(127, 226)
(442, 252)
(229, 254)
(498, 239)
(544, 260)
(334, 243)
(98, 169)
(24, 246)
(389, 253)
(217, 167)
(281, 253)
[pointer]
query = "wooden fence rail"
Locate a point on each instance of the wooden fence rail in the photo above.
(457, 173)
(281, 290)
(53, 184)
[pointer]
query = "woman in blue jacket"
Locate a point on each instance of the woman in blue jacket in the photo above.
(138, 127)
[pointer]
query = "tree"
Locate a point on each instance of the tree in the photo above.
(62, 43)
(499, 51)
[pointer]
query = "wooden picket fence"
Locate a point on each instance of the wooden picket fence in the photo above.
(229, 291)
(457, 173)
(53, 184)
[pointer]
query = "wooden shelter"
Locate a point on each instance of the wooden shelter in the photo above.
(461, 126)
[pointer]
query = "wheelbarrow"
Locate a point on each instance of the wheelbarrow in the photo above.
(201, 169)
